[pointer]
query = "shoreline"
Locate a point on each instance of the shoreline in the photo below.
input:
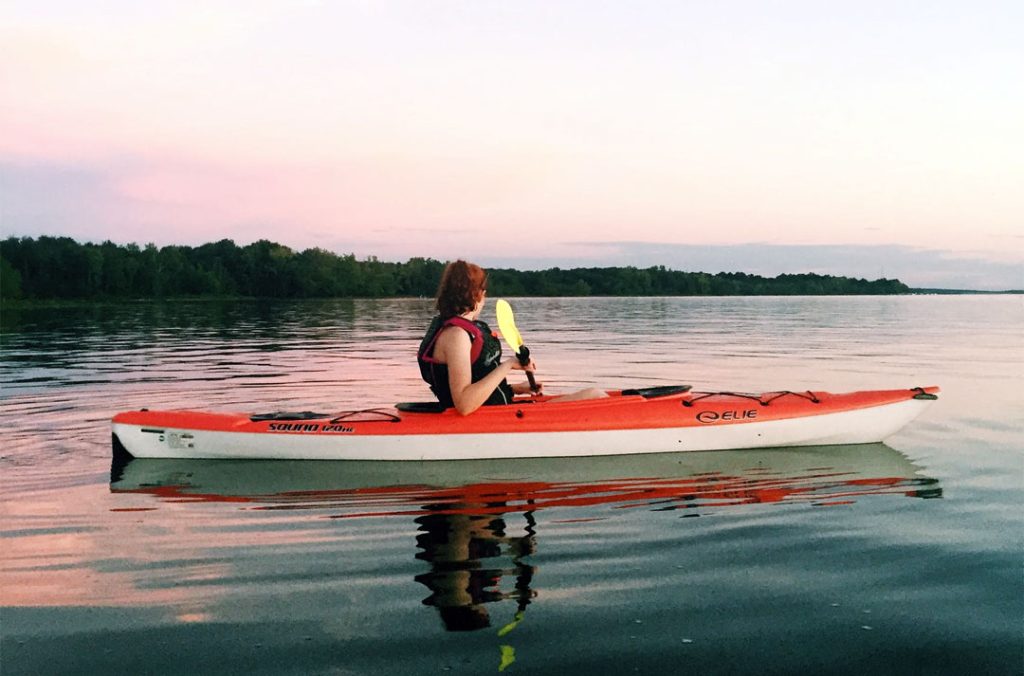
(45, 303)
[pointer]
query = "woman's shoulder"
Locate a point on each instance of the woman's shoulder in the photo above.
(453, 333)
(452, 340)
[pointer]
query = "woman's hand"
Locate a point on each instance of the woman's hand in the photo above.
(516, 366)
(530, 367)
(524, 388)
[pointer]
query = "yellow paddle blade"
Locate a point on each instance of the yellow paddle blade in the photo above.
(507, 325)
(508, 656)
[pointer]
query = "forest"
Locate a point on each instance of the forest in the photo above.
(60, 268)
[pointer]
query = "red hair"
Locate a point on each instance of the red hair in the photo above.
(462, 286)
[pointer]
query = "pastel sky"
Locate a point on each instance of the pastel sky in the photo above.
(528, 133)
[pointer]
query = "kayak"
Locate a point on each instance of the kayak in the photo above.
(636, 421)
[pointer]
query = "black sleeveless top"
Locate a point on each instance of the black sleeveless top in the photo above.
(485, 355)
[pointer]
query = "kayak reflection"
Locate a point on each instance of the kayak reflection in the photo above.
(700, 482)
(477, 521)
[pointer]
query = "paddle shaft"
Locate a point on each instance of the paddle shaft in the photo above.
(524, 358)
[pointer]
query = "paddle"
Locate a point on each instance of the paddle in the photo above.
(507, 326)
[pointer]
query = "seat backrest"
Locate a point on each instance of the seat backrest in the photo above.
(421, 407)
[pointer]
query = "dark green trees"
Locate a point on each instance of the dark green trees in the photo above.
(61, 268)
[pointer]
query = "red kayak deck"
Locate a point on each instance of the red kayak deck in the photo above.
(619, 411)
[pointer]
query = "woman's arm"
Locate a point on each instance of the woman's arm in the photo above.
(453, 348)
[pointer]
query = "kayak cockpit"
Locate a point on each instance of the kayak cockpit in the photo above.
(645, 392)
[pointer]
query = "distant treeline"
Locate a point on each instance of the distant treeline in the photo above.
(61, 268)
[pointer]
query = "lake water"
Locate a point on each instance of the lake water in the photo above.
(900, 558)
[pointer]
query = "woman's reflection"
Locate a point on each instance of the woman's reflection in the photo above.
(469, 553)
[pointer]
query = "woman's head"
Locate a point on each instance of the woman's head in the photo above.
(463, 285)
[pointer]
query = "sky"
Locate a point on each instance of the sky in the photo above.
(866, 138)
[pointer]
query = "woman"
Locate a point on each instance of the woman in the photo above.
(460, 358)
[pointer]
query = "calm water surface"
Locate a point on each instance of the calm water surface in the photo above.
(906, 557)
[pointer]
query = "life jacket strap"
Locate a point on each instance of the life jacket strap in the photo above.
(469, 327)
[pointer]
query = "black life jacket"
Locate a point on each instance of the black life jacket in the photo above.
(484, 356)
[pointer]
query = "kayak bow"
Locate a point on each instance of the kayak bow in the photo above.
(656, 420)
